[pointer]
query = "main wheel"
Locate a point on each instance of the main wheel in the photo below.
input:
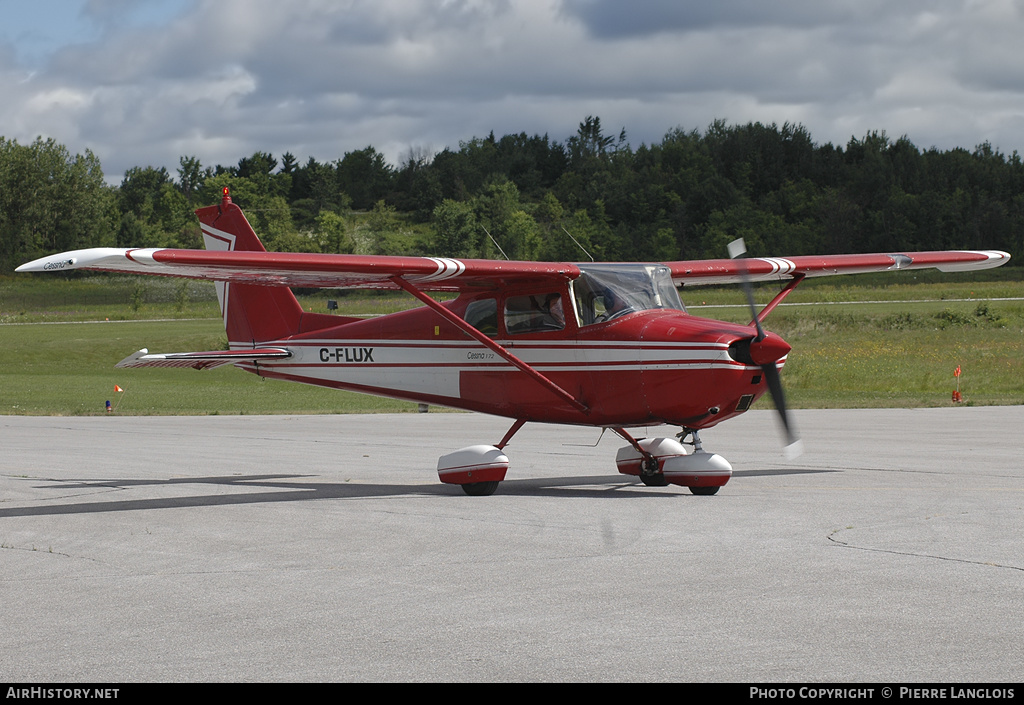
(704, 491)
(480, 489)
(650, 473)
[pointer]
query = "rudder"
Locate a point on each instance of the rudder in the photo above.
(252, 313)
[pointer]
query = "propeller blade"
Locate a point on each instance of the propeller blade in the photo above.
(737, 249)
(794, 447)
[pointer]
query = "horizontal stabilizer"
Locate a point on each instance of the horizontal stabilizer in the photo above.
(201, 360)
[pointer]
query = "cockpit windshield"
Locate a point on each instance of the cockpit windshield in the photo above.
(607, 291)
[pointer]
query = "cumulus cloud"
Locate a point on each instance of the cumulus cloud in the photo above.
(222, 79)
(610, 19)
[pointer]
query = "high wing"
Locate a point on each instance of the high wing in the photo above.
(308, 270)
(234, 255)
(733, 271)
(444, 274)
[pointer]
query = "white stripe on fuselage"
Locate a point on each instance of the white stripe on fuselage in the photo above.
(435, 367)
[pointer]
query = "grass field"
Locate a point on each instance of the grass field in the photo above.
(68, 369)
(902, 355)
(895, 346)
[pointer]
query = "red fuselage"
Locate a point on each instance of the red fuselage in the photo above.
(648, 367)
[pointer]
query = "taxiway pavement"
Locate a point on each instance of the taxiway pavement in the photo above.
(323, 548)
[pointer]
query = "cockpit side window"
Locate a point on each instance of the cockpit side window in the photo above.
(606, 292)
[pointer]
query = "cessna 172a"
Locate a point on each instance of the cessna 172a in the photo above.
(604, 345)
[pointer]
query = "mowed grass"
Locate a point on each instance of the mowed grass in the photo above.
(68, 369)
(48, 299)
(898, 353)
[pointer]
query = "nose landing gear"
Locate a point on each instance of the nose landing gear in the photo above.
(663, 461)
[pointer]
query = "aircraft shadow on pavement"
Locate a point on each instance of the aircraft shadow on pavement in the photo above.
(773, 472)
(261, 489)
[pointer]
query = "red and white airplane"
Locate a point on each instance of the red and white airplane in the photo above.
(605, 345)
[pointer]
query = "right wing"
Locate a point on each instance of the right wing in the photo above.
(309, 270)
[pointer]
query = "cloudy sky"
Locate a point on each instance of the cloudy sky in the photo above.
(142, 82)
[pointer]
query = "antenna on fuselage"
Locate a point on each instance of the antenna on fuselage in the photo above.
(495, 243)
(578, 244)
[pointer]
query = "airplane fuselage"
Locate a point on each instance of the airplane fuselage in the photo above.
(649, 367)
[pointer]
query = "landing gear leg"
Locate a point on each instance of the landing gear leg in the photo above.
(694, 439)
(650, 472)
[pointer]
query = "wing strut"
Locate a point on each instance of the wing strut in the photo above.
(797, 278)
(490, 344)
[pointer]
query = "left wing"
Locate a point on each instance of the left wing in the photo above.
(733, 271)
(307, 269)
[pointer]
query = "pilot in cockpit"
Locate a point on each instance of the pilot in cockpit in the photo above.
(615, 305)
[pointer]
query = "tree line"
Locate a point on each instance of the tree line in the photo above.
(530, 197)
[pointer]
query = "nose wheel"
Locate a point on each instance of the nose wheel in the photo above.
(480, 489)
(703, 491)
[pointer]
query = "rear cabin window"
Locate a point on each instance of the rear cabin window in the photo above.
(534, 313)
(483, 315)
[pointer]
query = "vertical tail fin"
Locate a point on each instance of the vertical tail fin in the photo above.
(252, 314)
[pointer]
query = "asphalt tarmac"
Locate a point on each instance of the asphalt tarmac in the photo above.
(315, 548)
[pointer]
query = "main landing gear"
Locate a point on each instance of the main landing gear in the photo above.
(478, 469)
(658, 462)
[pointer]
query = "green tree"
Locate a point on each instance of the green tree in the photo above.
(190, 178)
(140, 190)
(50, 201)
(314, 189)
(365, 176)
(590, 142)
(456, 231)
(332, 233)
(499, 211)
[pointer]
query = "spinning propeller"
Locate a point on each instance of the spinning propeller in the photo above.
(764, 350)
